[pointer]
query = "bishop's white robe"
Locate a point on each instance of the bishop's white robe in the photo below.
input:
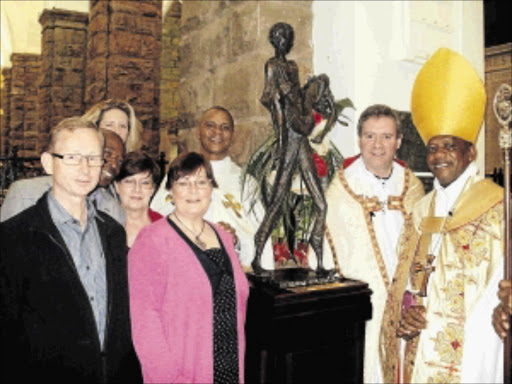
(459, 344)
(227, 206)
(365, 220)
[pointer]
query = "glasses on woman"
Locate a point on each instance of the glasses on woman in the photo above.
(76, 159)
(145, 184)
(199, 184)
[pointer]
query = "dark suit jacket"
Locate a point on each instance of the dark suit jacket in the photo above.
(47, 326)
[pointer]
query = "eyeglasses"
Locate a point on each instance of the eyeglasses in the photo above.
(132, 183)
(199, 184)
(76, 159)
(445, 147)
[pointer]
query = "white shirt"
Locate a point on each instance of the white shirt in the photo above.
(387, 223)
(446, 199)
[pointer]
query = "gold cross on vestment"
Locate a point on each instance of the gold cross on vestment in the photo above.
(233, 204)
(428, 268)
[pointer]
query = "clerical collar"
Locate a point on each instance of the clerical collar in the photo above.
(446, 197)
(381, 178)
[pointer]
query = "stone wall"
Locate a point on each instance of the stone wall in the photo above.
(124, 49)
(5, 97)
(224, 50)
(23, 108)
(63, 56)
(498, 70)
(170, 79)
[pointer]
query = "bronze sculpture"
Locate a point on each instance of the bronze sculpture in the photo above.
(291, 108)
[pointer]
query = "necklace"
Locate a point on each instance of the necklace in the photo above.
(197, 240)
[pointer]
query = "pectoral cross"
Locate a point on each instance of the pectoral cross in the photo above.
(428, 268)
(233, 204)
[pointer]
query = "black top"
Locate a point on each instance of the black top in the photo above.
(212, 269)
(216, 264)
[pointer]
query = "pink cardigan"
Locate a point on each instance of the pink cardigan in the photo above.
(172, 309)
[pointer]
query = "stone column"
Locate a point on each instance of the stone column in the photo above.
(5, 100)
(124, 59)
(63, 55)
(170, 81)
(24, 114)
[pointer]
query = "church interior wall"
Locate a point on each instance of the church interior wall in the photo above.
(224, 48)
(372, 52)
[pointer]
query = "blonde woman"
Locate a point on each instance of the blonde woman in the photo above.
(118, 116)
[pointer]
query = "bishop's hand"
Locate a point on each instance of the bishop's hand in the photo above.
(501, 315)
(412, 322)
(228, 228)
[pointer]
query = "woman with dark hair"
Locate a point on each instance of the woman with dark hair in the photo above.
(135, 185)
(188, 292)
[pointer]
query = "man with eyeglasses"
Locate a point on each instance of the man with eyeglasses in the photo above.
(24, 193)
(63, 280)
(454, 261)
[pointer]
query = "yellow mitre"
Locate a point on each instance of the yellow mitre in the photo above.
(448, 97)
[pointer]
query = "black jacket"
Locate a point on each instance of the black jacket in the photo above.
(47, 327)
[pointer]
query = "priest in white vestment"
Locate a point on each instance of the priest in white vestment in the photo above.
(370, 202)
(215, 133)
(457, 261)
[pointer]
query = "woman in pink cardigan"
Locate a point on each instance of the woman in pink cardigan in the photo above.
(188, 292)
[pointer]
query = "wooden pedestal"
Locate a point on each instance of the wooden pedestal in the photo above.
(307, 334)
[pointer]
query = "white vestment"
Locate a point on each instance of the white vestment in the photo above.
(357, 231)
(227, 206)
(459, 344)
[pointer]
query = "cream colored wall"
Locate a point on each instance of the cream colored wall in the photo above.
(372, 50)
(20, 28)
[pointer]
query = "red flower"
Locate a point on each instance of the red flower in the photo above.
(281, 253)
(321, 165)
(318, 118)
(301, 254)
(465, 247)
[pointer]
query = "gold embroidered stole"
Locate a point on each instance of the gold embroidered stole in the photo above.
(412, 244)
(372, 204)
(448, 343)
(388, 343)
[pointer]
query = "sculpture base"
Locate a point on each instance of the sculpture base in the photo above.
(292, 277)
(307, 334)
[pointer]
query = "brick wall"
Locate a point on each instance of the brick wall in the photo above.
(170, 79)
(5, 97)
(63, 55)
(224, 50)
(24, 112)
(123, 59)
